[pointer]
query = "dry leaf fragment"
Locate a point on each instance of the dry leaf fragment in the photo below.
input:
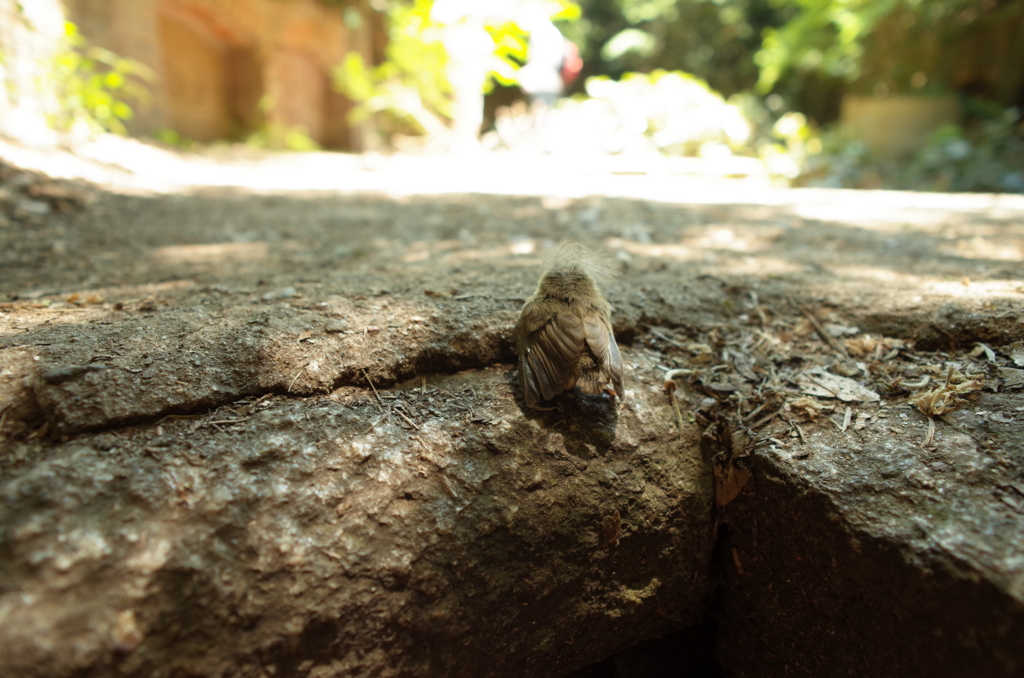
(944, 399)
(847, 369)
(836, 330)
(980, 348)
(810, 408)
(866, 345)
(745, 366)
(729, 482)
(824, 384)
(1011, 377)
(803, 328)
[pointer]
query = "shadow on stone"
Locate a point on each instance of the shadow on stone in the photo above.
(686, 653)
(588, 422)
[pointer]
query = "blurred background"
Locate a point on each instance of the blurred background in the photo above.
(904, 94)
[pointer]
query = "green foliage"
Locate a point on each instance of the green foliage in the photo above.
(988, 157)
(640, 43)
(93, 86)
(985, 156)
(568, 11)
(410, 92)
(271, 136)
(510, 45)
(172, 138)
(712, 39)
(411, 83)
(829, 37)
(279, 137)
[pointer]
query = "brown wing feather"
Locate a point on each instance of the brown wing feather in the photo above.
(602, 345)
(615, 366)
(548, 355)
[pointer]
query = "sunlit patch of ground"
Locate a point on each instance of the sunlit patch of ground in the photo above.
(256, 213)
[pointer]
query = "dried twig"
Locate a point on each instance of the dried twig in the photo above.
(374, 424)
(379, 400)
(820, 329)
(764, 420)
(756, 411)
(407, 419)
(296, 378)
(663, 334)
(930, 436)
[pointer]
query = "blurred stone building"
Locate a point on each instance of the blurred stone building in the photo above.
(225, 67)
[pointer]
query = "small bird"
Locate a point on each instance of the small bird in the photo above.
(564, 334)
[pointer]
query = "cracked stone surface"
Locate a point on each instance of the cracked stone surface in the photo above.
(250, 435)
(864, 551)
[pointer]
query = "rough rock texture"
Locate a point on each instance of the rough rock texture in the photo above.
(857, 553)
(254, 435)
(319, 534)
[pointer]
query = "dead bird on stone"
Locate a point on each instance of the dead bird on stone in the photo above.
(564, 334)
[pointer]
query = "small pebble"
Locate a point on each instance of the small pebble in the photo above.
(283, 293)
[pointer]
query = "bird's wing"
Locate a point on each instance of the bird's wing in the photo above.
(602, 344)
(548, 358)
(531, 319)
(615, 367)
